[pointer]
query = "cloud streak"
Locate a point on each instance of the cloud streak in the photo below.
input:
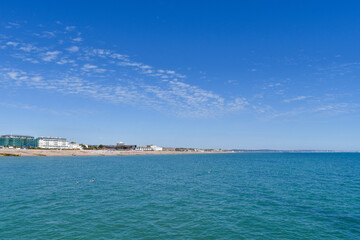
(65, 63)
(299, 98)
(83, 68)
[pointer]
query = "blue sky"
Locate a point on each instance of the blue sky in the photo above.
(228, 74)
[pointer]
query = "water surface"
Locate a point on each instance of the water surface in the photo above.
(204, 196)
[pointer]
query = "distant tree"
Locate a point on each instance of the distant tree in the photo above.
(100, 146)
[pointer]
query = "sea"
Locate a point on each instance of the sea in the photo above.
(189, 196)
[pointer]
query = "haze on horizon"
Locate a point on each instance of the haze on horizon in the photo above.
(209, 74)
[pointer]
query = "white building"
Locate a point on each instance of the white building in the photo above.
(74, 145)
(149, 148)
(156, 148)
(143, 149)
(53, 143)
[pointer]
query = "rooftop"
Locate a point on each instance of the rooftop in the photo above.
(51, 138)
(16, 136)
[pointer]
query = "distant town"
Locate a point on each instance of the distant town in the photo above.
(22, 142)
(57, 143)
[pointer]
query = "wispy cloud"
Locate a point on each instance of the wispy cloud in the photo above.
(12, 25)
(75, 67)
(46, 34)
(329, 109)
(13, 44)
(177, 97)
(77, 39)
(299, 98)
(50, 56)
(73, 49)
(34, 108)
(338, 108)
(70, 28)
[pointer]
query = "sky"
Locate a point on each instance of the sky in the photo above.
(205, 74)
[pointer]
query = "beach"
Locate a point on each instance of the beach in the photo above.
(63, 153)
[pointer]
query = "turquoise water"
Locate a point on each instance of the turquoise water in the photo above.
(209, 196)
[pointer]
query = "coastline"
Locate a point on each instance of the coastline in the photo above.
(63, 153)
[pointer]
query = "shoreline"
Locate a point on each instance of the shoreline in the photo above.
(64, 153)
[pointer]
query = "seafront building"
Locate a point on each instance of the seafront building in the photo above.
(74, 145)
(53, 143)
(155, 148)
(123, 146)
(149, 148)
(143, 149)
(18, 141)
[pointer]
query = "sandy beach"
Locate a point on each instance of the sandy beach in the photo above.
(38, 152)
